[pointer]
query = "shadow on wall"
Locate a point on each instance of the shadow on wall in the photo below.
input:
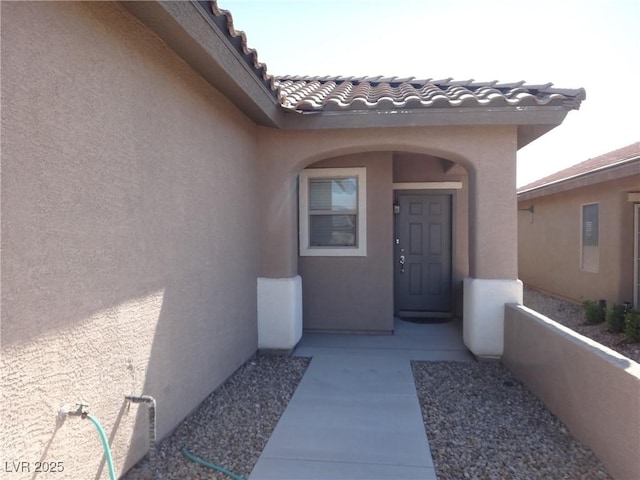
(126, 268)
(203, 334)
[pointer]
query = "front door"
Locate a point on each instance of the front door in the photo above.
(422, 249)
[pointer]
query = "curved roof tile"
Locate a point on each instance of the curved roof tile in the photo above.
(239, 40)
(370, 93)
(340, 93)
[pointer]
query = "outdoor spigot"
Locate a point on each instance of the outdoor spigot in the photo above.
(80, 411)
(65, 411)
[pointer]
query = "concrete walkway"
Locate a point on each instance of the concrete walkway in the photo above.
(355, 414)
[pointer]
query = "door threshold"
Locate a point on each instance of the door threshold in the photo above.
(411, 314)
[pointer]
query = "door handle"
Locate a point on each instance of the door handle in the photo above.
(401, 263)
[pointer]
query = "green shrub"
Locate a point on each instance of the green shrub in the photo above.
(615, 318)
(594, 312)
(632, 325)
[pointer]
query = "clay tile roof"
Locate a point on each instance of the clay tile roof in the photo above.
(611, 159)
(318, 94)
(223, 19)
(312, 94)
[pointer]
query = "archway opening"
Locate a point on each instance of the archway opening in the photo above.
(363, 293)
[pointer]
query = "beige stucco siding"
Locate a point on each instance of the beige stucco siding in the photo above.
(355, 293)
(487, 153)
(483, 158)
(129, 233)
(549, 242)
(593, 390)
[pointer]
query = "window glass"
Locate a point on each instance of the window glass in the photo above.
(590, 257)
(333, 194)
(590, 224)
(333, 230)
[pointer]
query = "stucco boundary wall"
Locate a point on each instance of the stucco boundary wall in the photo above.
(593, 390)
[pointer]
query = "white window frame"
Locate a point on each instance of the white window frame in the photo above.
(582, 267)
(636, 255)
(306, 250)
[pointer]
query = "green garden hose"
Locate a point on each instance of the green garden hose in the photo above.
(213, 466)
(105, 446)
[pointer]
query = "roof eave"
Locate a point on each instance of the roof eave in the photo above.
(610, 172)
(189, 30)
(532, 122)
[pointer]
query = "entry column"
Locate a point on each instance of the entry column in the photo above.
(493, 252)
(279, 286)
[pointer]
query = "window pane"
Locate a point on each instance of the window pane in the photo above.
(332, 230)
(333, 193)
(590, 225)
(590, 250)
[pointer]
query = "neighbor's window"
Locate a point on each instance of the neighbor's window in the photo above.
(333, 212)
(590, 256)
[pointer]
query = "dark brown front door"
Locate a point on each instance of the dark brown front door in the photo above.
(422, 254)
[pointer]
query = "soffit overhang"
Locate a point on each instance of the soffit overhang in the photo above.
(204, 36)
(189, 29)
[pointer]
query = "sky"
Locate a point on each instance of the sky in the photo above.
(594, 44)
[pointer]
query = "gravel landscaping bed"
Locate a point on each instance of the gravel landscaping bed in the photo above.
(572, 316)
(232, 426)
(482, 423)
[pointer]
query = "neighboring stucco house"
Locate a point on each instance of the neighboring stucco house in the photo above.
(578, 229)
(168, 208)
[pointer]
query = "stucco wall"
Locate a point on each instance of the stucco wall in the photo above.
(549, 242)
(129, 233)
(355, 293)
(487, 153)
(593, 390)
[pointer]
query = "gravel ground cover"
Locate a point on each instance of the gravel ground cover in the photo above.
(232, 426)
(572, 316)
(482, 423)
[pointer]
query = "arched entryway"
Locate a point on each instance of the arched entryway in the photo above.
(484, 157)
(416, 213)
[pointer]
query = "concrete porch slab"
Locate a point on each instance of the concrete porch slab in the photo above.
(355, 413)
(412, 341)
